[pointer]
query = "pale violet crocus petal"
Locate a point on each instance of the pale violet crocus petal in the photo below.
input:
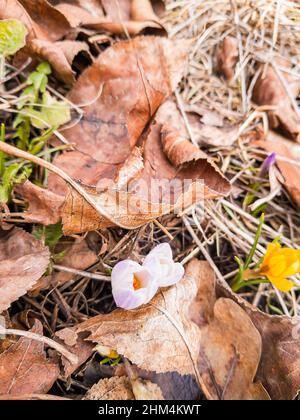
(161, 250)
(160, 262)
(132, 285)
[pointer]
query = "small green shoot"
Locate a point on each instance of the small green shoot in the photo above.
(240, 281)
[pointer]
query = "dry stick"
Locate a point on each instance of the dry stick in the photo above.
(14, 151)
(164, 230)
(51, 343)
(80, 273)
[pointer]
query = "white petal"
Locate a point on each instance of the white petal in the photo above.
(162, 251)
(176, 275)
(128, 299)
(122, 274)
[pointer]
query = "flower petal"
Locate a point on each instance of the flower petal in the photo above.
(162, 251)
(122, 274)
(173, 278)
(282, 284)
(127, 299)
(123, 290)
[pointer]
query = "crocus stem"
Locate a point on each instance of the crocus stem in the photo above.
(242, 284)
(254, 246)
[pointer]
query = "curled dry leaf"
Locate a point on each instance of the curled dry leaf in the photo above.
(286, 154)
(125, 88)
(121, 17)
(46, 25)
(161, 337)
(270, 90)
(44, 206)
(227, 57)
(23, 260)
(208, 127)
(42, 20)
(25, 369)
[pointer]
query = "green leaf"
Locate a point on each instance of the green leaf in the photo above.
(51, 234)
(12, 36)
(54, 113)
(44, 68)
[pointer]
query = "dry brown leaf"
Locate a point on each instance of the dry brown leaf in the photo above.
(45, 207)
(269, 90)
(230, 345)
(291, 172)
(115, 388)
(122, 17)
(279, 369)
(79, 347)
(23, 260)
(125, 87)
(143, 390)
(227, 57)
(42, 20)
(25, 369)
(72, 49)
(51, 52)
(208, 127)
(46, 25)
(79, 257)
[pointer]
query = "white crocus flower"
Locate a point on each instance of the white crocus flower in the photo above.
(161, 264)
(132, 285)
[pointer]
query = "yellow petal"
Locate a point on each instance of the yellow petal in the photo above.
(272, 248)
(282, 284)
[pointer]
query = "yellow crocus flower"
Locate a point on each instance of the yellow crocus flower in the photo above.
(279, 264)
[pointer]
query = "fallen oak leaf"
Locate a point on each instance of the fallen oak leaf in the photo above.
(24, 367)
(42, 20)
(125, 86)
(23, 261)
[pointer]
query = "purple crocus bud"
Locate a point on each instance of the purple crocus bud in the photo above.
(269, 161)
